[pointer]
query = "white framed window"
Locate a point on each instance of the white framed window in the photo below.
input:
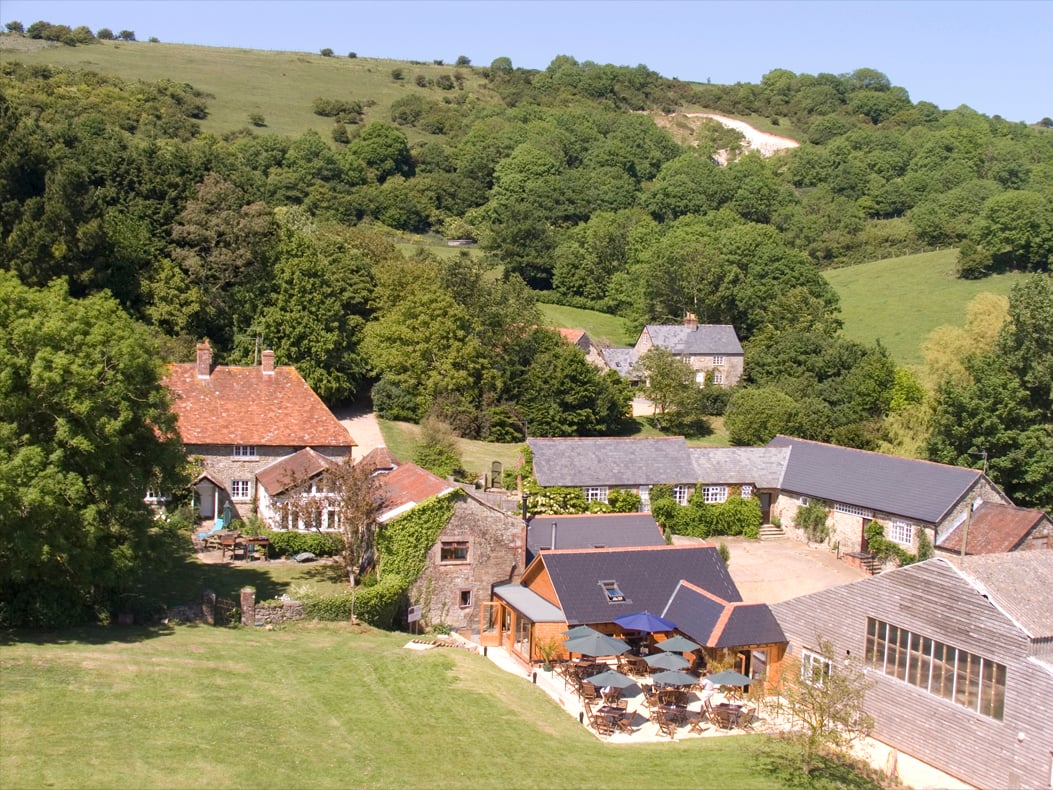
(595, 493)
(805, 501)
(718, 359)
(747, 491)
(814, 667)
(154, 497)
(712, 494)
(852, 510)
(241, 489)
(645, 499)
(244, 451)
(680, 494)
(464, 599)
(901, 532)
(718, 377)
(332, 518)
(700, 377)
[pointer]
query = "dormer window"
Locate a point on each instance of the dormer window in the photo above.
(613, 592)
(245, 451)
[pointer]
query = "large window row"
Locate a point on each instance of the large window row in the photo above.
(965, 678)
(852, 510)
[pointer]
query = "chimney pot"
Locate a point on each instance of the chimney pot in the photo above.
(267, 358)
(204, 360)
(691, 321)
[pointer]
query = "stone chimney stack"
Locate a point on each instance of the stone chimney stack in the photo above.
(267, 358)
(204, 360)
(691, 321)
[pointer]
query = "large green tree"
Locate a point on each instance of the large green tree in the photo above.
(85, 431)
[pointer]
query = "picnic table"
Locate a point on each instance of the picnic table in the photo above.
(246, 544)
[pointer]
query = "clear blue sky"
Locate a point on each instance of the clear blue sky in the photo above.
(993, 56)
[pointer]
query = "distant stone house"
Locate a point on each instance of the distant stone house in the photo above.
(237, 420)
(960, 653)
(712, 350)
(581, 339)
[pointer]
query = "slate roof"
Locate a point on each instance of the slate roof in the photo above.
(589, 530)
(993, 528)
(292, 470)
(529, 603)
(714, 622)
(611, 461)
(759, 466)
(702, 339)
(620, 360)
(1019, 582)
(919, 490)
(242, 405)
(406, 487)
(646, 576)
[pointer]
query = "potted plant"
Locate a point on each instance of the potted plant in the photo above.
(547, 649)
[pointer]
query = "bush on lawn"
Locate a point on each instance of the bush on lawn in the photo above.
(321, 544)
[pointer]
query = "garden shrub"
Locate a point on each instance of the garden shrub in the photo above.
(812, 520)
(376, 605)
(623, 501)
(885, 549)
(288, 543)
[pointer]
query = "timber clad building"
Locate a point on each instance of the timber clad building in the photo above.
(961, 655)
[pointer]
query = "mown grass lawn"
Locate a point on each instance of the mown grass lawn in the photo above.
(899, 301)
(313, 705)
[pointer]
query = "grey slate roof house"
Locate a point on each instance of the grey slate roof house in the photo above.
(711, 350)
(960, 651)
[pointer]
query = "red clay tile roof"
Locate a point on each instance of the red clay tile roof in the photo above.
(571, 335)
(293, 469)
(993, 528)
(242, 405)
(379, 459)
(408, 486)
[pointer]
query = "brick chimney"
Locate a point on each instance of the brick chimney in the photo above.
(204, 360)
(267, 358)
(691, 321)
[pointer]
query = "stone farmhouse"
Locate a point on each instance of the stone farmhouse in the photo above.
(238, 420)
(712, 350)
(960, 653)
(904, 496)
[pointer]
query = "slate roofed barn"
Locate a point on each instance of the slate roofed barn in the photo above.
(618, 462)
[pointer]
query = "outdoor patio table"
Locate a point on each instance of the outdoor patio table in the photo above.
(252, 542)
(675, 713)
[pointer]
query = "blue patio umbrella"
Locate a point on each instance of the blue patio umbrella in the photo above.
(667, 661)
(596, 645)
(678, 644)
(644, 621)
(674, 678)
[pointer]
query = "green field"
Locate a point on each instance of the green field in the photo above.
(900, 300)
(280, 85)
(314, 705)
(602, 327)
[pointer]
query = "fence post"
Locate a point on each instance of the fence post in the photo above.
(248, 606)
(208, 607)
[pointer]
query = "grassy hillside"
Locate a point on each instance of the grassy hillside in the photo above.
(900, 300)
(279, 85)
(602, 327)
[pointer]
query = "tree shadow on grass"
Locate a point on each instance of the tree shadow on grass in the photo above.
(784, 761)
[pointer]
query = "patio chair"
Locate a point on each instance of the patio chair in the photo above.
(612, 695)
(745, 720)
(700, 723)
(589, 692)
(724, 718)
(624, 723)
(666, 726)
